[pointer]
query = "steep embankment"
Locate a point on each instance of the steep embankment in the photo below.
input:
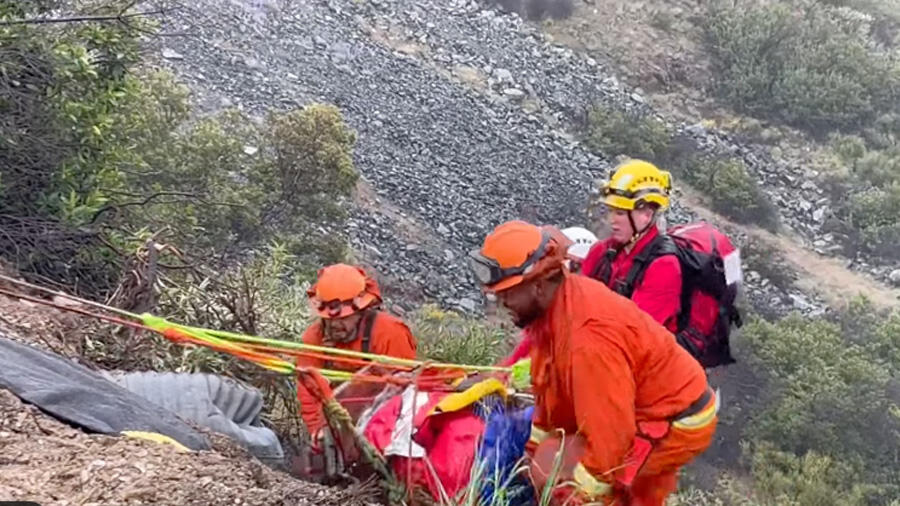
(460, 113)
(49, 462)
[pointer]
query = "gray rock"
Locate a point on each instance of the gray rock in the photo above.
(696, 130)
(819, 215)
(340, 51)
(171, 54)
(894, 276)
(800, 301)
(514, 93)
(468, 304)
(253, 63)
(503, 75)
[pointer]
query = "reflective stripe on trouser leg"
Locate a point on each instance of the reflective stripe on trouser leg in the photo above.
(538, 435)
(592, 487)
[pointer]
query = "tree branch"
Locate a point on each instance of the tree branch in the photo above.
(151, 197)
(82, 19)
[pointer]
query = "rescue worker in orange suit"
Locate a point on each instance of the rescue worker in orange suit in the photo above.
(635, 197)
(581, 240)
(348, 302)
(603, 372)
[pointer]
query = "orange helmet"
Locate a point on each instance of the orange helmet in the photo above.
(342, 290)
(517, 251)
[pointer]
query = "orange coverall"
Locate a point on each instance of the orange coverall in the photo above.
(601, 366)
(390, 336)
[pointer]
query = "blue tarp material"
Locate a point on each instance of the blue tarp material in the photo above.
(216, 402)
(503, 445)
(76, 395)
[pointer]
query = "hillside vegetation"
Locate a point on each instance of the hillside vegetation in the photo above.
(112, 186)
(809, 83)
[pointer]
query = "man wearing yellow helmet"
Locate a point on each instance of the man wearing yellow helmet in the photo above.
(635, 196)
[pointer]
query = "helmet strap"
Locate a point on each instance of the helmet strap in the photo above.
(638, 233)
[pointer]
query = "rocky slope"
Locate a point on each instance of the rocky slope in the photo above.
(461, 114)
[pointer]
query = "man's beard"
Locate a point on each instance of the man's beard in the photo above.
(331, 338)
(527, 318)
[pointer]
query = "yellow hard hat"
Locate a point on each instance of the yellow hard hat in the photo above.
(637, 182)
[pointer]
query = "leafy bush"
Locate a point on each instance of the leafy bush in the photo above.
(868, 169)
(105, 153)
(873, 215)
(613, 132)
(825, 380)
(731, 190)
(783, 478)
(449, 337)
(800, 64)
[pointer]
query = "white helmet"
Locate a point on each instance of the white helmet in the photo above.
(582, 238)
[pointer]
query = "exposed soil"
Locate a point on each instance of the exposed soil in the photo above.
(49, 462)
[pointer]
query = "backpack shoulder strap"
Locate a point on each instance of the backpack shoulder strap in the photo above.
(368, 325)
(660, 246)
(603, 269)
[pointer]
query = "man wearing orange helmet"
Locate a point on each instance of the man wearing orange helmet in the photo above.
(348, 304)
(603, 372)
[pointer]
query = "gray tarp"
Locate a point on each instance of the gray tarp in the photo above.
(216, 402)
(81, 397)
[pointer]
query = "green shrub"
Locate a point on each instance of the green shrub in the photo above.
(821, 387)
(728, 492)
(782, 478)
(873, 214)
(731, 190)
(449, 337)
(799, 64)
(613, 132)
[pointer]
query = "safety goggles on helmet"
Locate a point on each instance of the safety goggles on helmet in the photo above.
(489, 272)
(636, 196)
(341, 308)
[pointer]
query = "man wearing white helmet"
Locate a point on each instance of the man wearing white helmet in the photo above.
(582, 241)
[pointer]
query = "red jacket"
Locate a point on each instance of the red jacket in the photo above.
(659, 293)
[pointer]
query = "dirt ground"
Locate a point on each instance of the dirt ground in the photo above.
(48, 462)
(652, 44)
(51, 463)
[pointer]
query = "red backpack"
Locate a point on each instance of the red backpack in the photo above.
(710, 275)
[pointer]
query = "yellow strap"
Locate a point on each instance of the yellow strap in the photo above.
(157, 438)
(592, 487)
(700, 420)
(460, 400)
(538, 435)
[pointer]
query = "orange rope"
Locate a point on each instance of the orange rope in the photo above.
(252, 352)
(324, 356)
